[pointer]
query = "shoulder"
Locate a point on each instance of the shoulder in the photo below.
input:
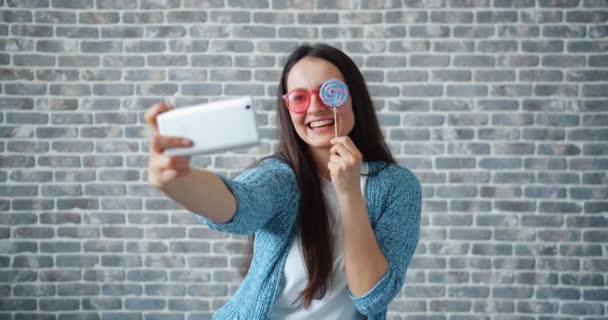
(274, 163)
(277, 166)
(270, 170)
(395, 177)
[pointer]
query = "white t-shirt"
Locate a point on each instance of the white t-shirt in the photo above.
(336, 303)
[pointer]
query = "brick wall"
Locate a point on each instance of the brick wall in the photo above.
(499, 107)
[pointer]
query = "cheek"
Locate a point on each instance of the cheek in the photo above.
(297, 120)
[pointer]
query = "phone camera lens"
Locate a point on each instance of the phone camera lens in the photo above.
(247, 107)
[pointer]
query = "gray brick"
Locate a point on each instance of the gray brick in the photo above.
(466, 90)
(100, 303)
(595, 295)
(165, 290)
(449, 306)
(55, 17)
(449, 17)
(511, 90)
(318, 18)
(56, 275)
(80, 203)
(33, 290)
(16, 161)
(154, 89)
(165, 262)
(473, 31)
(208, 290)
(580, 308)
(77, 32)
(57, 75)
(201, 89)
(56, 46)
(79, 61)
(122, 32)
(496, 16)
(71, 118)
(113, 89)
(70, 90)
(32, 262)
(28, 30)
(80, 4)
(164, 32)
(82, 261)
(582, 279)
(540, 16)
(144, 304)
(147, 275)
(429, 31)
(27, 147)
(24, 89)
(328, 32)
(489, 306)
(230, 17)
(283, 32)
(99, 17)
(121, 261)
(149, 46)
(517, 61)
(61, 191)
(494, 75)
(188, 305)
(77, 289)
(454, 46)
(142, 17)
(473, 61)
(74, 175)
(60, 246)
(31, 176)
(167, 60)
(537, 307)
(100, 46)
(521, 206)
(103, 275)
(587, 46)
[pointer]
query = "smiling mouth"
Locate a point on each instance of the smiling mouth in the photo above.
(320, 124)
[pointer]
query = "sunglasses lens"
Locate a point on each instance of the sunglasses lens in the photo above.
(297, 101)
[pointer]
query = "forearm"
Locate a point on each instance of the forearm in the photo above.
(364, 262)
(203, 193)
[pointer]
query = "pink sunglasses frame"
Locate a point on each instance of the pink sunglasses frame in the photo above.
(311, 93)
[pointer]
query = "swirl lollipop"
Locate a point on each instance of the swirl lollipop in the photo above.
(334, 94)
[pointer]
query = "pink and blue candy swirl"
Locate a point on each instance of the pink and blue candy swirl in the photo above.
(334, 93)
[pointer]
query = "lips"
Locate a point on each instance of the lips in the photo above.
(323, 122)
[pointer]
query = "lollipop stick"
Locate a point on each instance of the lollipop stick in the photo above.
(335, 123)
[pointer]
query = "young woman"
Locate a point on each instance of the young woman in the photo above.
(336, 220)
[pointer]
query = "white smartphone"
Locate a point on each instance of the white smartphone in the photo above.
(212, 127)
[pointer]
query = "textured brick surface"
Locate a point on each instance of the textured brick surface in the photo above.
(499, 107)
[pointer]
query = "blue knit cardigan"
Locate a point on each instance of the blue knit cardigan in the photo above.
(267, 205)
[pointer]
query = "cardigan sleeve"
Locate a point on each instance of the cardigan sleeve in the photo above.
(261, 193)
(397, 231)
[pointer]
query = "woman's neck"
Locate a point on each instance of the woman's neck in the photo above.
(321, 158)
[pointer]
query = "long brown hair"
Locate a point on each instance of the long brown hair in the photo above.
(313, 221)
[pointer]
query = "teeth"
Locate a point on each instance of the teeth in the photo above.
(316, 124)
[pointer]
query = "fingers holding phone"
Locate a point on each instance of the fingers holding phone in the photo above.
(162, 168)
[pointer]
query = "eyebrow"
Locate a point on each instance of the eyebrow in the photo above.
(301, 88)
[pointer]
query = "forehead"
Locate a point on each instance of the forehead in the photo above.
(311, 72)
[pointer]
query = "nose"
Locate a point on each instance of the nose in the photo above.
(316, 105)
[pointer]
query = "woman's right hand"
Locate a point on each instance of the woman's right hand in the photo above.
(163, 169)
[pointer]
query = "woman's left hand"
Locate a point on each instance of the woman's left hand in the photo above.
(345, 165)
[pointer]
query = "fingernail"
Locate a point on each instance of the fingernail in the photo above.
(186, 141)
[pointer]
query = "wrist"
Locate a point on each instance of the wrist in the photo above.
(350, 196)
